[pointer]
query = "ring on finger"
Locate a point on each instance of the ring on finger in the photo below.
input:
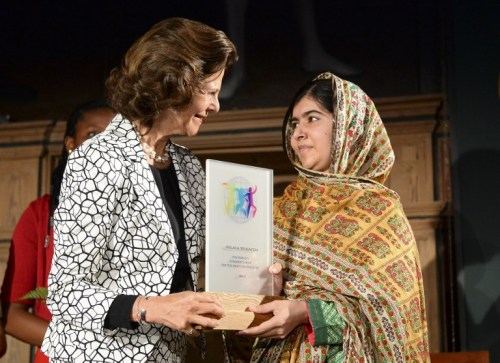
(192, 332)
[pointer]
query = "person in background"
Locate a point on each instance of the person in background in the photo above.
(350, 265)
(129, 227)
(32, 245)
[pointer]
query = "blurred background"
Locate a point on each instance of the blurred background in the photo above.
(56, 54)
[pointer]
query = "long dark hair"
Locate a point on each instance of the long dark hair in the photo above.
(73, 120)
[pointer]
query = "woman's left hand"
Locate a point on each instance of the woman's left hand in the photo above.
(288, 314)
(276, 270)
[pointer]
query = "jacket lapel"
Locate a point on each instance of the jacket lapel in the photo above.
(142, 177)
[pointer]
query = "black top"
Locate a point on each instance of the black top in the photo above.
(168, 185)
(171, 196)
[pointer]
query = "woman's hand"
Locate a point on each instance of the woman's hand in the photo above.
(276, 270)
(182, 311)
(288, 314)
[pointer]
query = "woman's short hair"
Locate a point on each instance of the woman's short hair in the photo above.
(166, 66)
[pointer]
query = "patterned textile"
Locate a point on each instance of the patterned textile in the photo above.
(344, 239)
(328, 327)
(113, 236)
(360, 145)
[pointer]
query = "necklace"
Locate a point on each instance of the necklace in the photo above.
(151, 152)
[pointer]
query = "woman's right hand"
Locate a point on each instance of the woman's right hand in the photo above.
(183, 310)
(287, 315)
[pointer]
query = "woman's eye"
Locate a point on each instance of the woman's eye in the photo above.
(211, 95)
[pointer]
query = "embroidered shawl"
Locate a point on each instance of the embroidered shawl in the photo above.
(343, 238)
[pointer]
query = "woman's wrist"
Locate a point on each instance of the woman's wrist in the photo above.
(305, 312)
(139, 310)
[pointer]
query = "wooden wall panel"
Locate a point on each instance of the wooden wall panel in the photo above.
(19, 180)
(412, 174)
(425, 234)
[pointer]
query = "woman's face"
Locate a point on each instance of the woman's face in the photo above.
(312, 135)
(91, 123)
(188, 120)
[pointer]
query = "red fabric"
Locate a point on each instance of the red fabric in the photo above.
(309, 329)
(40, 357)
(29, 260)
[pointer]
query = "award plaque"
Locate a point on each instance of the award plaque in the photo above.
(239, 222)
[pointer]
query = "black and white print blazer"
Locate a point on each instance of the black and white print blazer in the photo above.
(113, 236)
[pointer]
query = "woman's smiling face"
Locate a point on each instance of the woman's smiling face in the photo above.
(312, 135)
(188, 120)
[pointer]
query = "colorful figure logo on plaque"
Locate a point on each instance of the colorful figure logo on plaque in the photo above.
(239, 199)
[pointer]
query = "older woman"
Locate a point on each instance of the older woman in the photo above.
(130, 224)
(351, 271)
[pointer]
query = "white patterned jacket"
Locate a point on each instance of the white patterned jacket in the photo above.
(113, 236)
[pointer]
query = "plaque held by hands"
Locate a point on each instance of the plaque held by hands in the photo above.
(239, 222)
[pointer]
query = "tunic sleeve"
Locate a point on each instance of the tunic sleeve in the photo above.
(327, 326)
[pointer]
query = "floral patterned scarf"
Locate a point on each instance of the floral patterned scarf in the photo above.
(343, 238)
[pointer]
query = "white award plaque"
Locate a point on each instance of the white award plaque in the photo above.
(239, 228)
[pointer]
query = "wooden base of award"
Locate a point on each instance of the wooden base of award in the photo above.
(235, 305)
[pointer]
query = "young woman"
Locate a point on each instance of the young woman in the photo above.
(32, 246)
(351, 271)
